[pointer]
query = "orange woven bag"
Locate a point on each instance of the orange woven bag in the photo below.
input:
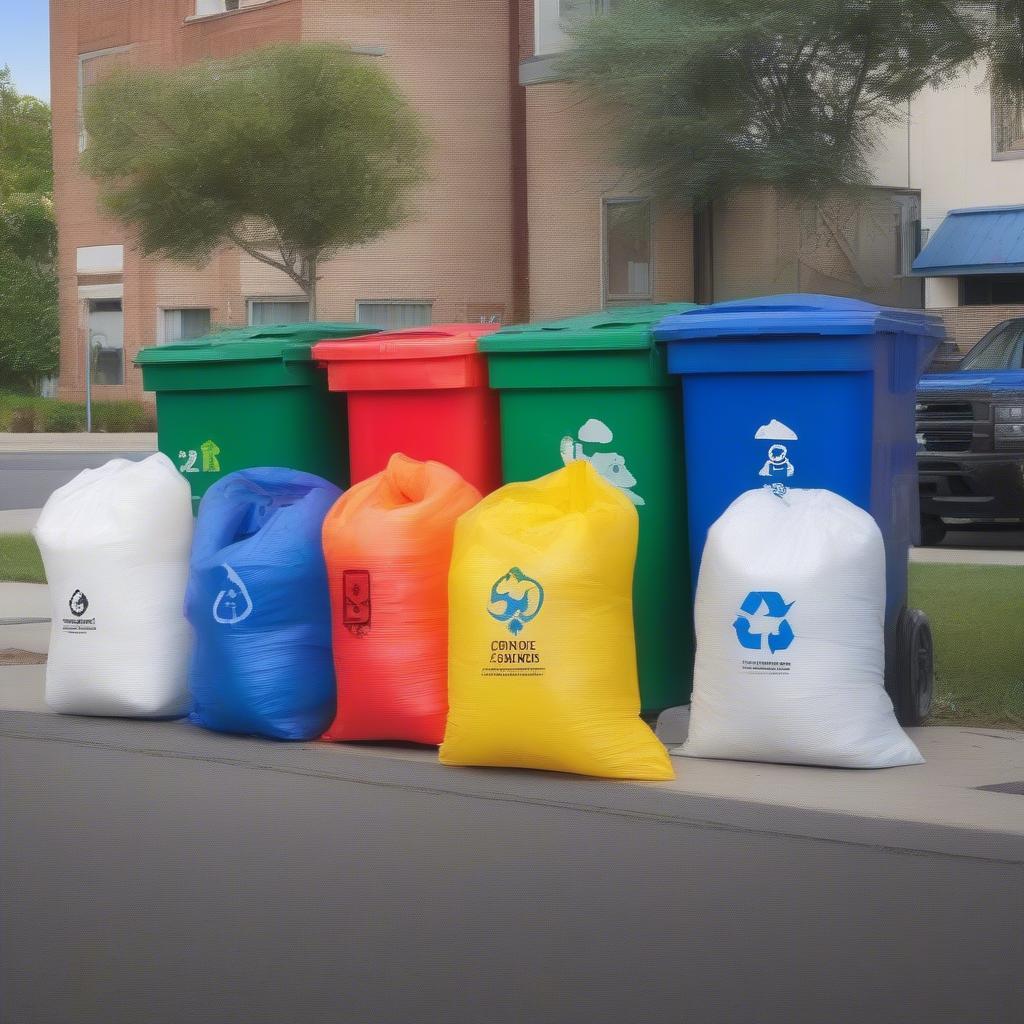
(387, 546)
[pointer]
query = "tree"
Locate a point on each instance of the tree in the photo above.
(29, 321)
(291, 152)
(714, 96)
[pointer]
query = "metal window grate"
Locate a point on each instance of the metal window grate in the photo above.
(394, 314)
(1007, 122)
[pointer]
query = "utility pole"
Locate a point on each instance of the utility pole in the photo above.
(88, 384)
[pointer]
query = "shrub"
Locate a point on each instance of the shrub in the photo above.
(25, 414)
(121, 417)
(62, 417)
(23, 420)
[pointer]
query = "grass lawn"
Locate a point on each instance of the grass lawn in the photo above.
(977, 618)
(19, 559)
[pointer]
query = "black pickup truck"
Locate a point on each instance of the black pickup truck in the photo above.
(970, 438)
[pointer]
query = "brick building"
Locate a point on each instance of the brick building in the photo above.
(455, 61)
(525, 214)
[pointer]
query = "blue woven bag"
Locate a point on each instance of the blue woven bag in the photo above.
(258, 603)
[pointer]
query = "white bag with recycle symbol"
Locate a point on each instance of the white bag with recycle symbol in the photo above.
(790, 617)
(115, 542)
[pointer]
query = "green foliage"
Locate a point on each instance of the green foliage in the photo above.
(291, 152)
(61, 418)
(29, 321)
(24, 414)
(714, 96)
(25, 161)
(20, 560)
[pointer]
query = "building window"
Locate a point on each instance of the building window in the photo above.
(627, 249)
(205, 8)
(1007, 126)
(553, 20)
(396, 314)
(992, 290)
(184, 324)
(106, 341)
(91, 68)
(277, 311)
(907, 226)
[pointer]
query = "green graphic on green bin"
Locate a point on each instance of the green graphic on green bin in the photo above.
(610, 465)
(249, 396)
(203, 460)
(596, 388)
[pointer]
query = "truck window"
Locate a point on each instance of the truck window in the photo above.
(1001, 349)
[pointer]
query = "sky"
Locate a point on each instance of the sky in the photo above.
(25, 44)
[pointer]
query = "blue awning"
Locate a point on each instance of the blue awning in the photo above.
(975, 240)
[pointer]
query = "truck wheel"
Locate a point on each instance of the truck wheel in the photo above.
(914, 675)
(933, 531)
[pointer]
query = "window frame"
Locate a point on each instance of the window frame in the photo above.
(90, 303)
(606, 294)
(995, 110)
(291, 299)
(429, 303)
(161, 322)
(83, 59)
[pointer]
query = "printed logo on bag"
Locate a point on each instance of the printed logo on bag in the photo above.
(358, 605)
(78, 605)
(516, 599)
(202, 460)
(762, 625)
(232, 604)
(610, 465)
(778, 466)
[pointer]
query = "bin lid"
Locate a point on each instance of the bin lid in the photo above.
(437, 341)
(621, 328)
(269, 342)
(796, 314)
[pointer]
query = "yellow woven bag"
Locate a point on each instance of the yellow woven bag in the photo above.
(542, 660)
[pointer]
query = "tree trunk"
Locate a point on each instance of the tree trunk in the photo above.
(309, 283)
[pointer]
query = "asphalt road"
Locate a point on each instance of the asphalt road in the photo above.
(28, 479)
(222, 880)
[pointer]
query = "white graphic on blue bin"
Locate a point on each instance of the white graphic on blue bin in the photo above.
(233, 603)
(778, 467)
(762, 620)
(610, 465)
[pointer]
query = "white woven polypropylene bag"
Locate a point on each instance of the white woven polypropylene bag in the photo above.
(790, 616)
(115, 543)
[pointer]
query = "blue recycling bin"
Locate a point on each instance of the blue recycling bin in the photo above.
(812, 391)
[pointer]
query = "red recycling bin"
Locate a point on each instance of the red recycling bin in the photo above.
(421, 391)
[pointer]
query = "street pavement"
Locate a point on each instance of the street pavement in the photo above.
(28, 479)
(166, 874)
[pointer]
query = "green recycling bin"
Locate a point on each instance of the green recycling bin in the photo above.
(595, 387)
(245, 397)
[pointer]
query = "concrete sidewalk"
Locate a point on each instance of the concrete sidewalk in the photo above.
(943, 797)
(966, 556)
(96, 442)
(24, 617)
(18, 520)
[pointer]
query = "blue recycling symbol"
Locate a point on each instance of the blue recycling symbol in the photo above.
(752, 625)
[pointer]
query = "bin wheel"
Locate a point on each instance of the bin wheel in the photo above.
(914, 677)
(933, 531)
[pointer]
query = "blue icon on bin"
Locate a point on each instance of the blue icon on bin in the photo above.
(762, 619)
